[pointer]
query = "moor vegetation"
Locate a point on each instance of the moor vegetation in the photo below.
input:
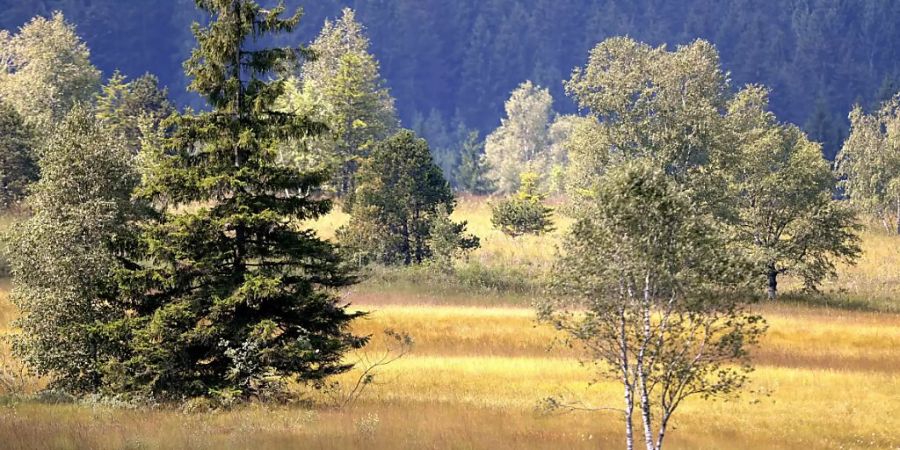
(283, 265)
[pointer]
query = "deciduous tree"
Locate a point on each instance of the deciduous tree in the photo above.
(869, 163)
(521, 142)
(66, 256)
(45, 69)
(781, 190)
(647, 285)
(18, 165)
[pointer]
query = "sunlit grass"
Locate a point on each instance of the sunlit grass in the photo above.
(826, 378)
(508, 271)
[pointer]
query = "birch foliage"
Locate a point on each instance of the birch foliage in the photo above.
(869, 163)
(647, 286)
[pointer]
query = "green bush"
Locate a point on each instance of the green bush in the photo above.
(524, 213)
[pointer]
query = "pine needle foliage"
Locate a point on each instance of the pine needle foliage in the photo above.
(234, 298)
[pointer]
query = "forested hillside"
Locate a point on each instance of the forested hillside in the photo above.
(465, 56)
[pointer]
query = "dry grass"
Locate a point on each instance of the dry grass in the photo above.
(827, 378)
(517, 264)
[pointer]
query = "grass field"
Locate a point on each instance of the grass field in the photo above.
(828, 375)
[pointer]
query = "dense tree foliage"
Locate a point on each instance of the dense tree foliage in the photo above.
(472, 170)
(781, 190)
(65, 258)
(342, 87)
(524, 212)
(18, 165)
(765, 181)
(129, 106)
(233, 299)
(468, 55)
(521, 142)
(45, 69)
(870, 163)
(393, 208)
(648, 102)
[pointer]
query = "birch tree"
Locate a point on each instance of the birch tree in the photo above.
(521, 142)
(45, 69)
(781, 194)
(649, 102)
(869, 163)
(646, 285)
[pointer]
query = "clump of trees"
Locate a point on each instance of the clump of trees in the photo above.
(177, 271)
(400, 194)
(341, 87)
(686, 197)
(524, 212)
(767, 184)
(869, 163)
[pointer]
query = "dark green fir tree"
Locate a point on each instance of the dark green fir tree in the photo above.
(471, 174)
(235, 299)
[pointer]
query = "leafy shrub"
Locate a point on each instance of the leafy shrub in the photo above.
(524, 213)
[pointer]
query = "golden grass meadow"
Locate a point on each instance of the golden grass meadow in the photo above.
(828, 376)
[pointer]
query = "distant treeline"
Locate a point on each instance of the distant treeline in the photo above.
(463, 57)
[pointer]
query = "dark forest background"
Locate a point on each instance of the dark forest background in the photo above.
(462, 58)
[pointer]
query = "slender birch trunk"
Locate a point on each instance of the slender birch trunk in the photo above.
(629, 391)
(646, 416)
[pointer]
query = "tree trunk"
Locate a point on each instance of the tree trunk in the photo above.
(773, 283)
(898, 215)
(407, 250)
(629, 391)
(629, 413)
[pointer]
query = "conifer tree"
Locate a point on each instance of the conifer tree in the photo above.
(471, 174)
(127, 105)
(235, 299)
(343, 88)
(394, 207)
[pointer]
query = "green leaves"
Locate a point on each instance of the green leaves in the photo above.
(398, 197)
(869, 163)
(784, 217)
(65, 258)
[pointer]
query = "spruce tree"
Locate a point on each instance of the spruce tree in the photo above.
(342, 86)
(235, 299)
(127, 106)
(471, 174)
(395, 205)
